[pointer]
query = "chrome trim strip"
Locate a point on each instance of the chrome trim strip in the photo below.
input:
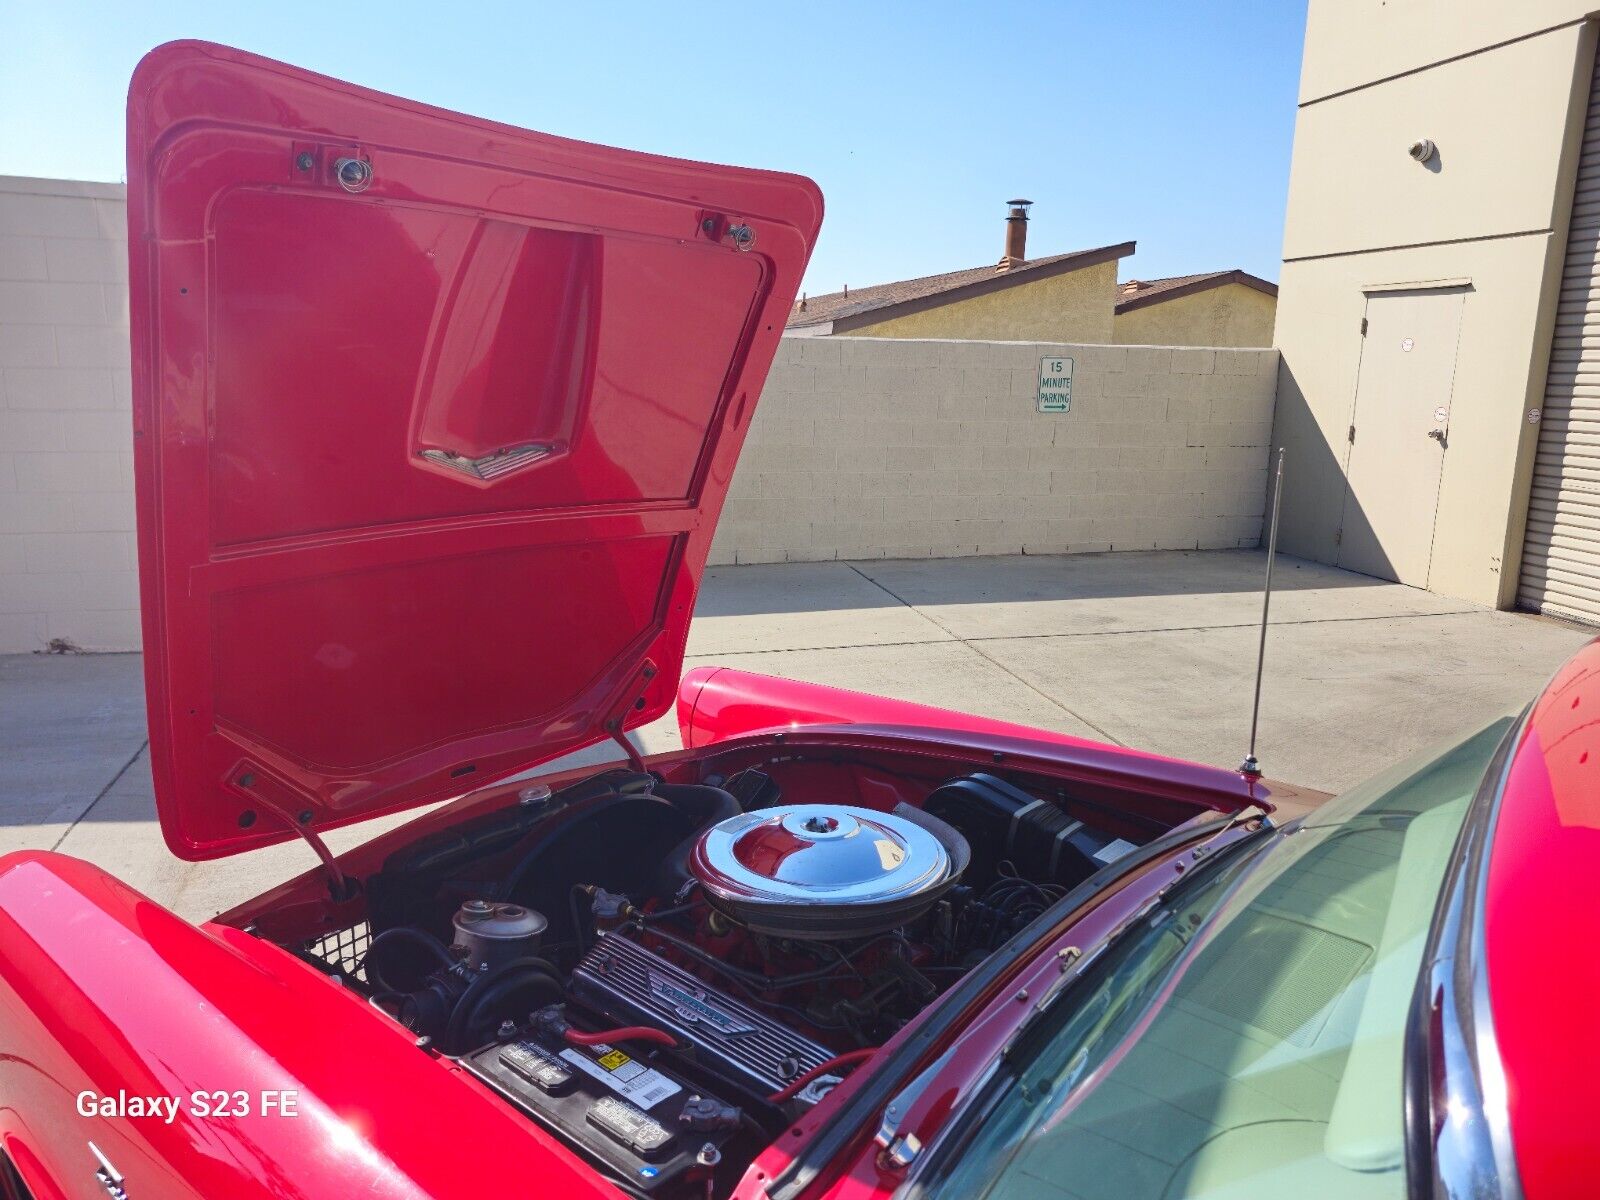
(950, 1140)
(821, 1152)
(107, 1176)
(1458, 1135)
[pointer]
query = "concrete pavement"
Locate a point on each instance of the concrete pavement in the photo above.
(1149, 650)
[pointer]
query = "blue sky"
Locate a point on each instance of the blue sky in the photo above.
(1164, 121)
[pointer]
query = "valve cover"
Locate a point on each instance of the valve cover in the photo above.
(827, 871)
(631, 985)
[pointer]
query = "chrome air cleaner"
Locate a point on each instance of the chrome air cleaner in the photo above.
(826, 871)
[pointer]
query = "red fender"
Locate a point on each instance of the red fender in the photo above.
(718, 703)
(104, 991)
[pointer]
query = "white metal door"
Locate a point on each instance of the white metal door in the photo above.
(1399, 433)
(1561, 550)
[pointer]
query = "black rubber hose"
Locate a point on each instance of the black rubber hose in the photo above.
(505, 984)
(575, 911)
(675, 866)
(613, 785)
(483, 983)
(704, 805)
(404, 933)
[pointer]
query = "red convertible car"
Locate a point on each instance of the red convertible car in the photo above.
(433, 419)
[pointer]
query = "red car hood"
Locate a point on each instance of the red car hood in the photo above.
(433, 418)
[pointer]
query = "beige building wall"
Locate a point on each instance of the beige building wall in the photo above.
(67, 565)
(1230, 315)
(1502, 90)
(890, 448)
(1073, 307)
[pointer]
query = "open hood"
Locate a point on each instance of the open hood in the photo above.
(433, 418)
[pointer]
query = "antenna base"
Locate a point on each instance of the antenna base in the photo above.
(1250, 767)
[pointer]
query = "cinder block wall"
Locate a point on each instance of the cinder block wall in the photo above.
(67, 566)
(888, 448)
(861, 447)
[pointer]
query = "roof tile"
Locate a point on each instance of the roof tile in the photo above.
(839, 305)
(1136, 293)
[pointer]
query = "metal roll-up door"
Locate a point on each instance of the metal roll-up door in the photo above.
(1561, 553)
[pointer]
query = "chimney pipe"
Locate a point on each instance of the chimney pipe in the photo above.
(1016, 235)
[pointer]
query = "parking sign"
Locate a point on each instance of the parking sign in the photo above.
(1055, 385)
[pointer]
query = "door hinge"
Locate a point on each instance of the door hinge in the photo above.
(1352, 435)
(1363, 327)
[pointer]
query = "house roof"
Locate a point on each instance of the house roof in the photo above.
(868, 305)
(1139, 293)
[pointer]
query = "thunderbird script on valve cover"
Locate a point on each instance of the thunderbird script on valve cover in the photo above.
(433, 420)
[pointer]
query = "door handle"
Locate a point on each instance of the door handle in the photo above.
(1437, 435)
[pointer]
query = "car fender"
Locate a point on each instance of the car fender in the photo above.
(718, 703)
(103, 991)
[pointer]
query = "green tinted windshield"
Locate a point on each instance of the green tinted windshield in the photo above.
(1245, 1043)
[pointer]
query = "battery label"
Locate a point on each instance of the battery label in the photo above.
(644, 1135)
(631, 1080)
(1113, 850)
(533, 1063)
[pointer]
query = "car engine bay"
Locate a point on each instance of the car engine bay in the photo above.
(669, 1014)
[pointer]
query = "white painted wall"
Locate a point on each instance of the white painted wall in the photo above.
(889, 448)
(861, 447)
(67, 566)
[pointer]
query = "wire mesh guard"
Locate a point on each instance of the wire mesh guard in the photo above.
(344, 950)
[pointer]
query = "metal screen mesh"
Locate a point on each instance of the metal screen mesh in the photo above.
(344, 950)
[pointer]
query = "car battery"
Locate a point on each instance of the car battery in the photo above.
(648, 1126)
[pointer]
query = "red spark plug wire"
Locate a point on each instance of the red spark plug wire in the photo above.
(627, 1033)
(793, 1087)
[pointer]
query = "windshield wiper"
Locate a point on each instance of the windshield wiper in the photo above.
(865, 1106)
(1075, 961)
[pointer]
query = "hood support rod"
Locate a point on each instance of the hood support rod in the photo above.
(339, 885)
(620, 737)
(615, 725)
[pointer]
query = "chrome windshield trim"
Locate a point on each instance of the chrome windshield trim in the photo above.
(949, 1141)
(942, 1020)
(1458, 1132)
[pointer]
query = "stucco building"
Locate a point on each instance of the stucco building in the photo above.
(1057, 298)
(1439, 312)
(1072, 297)
(1220, 308)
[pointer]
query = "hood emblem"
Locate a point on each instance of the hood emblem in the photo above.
(492, 465)
(693, 1007)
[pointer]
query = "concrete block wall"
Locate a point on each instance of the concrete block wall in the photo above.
(860, 448)
(67, 565)
(889, 448)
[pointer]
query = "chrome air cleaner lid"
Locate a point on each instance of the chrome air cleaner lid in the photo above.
(825, 870)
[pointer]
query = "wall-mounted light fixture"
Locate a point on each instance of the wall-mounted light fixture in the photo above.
(1423, 150)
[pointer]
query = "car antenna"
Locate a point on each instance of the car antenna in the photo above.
(1251, 766)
